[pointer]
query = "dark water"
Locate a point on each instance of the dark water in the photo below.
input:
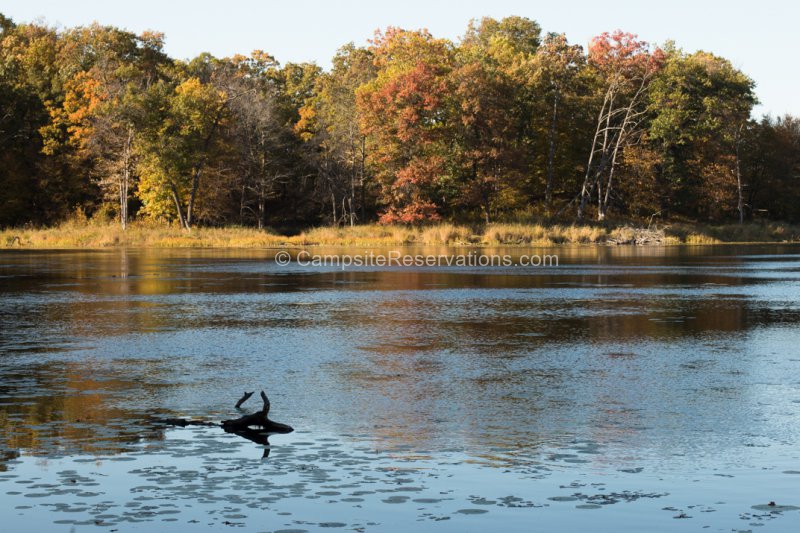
(626, 389)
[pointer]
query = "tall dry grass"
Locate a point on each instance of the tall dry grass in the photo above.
(733, 233)
(138, 235)
(79, 233)
(522, 234)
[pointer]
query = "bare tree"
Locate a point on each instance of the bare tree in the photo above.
(626, 67)
(260, 137)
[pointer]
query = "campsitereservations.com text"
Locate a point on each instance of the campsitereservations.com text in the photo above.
(396, 258)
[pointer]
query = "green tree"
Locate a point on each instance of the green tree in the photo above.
(771, 167)
(178, 142)
(98, 118)
(701, 105)
(260, 137)
(490, 107)
(410, 129)
(557, 76)
(34, 186)
(330, 120)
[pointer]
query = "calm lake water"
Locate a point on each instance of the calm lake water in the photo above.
(627, 389)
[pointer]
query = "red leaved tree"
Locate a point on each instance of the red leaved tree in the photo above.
(404, 114)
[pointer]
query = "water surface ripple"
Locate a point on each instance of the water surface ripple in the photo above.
(625, 389)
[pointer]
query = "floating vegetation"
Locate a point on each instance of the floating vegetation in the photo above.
(215, 480)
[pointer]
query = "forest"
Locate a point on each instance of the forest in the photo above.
(506, 123)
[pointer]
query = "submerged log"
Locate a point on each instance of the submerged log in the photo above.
(182, 422)
(257, 419)
(255, 427)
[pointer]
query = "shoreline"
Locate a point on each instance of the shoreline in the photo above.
(88, 235)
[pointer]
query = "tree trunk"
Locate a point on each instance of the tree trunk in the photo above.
(178, 208)
(190, 208)
(600, 214)
(242, 204)
(739, 186)
(352, 213)
(548, 194)
(262, 211)
(603, 117)
(192, 197)
(628, 123)
(127, 156)
(123, 199)
(363, 185)
(352, 199)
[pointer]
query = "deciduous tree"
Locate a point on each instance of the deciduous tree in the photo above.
(177, 144)
(406, 114)
(625, 67)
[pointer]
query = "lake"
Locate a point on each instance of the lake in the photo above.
(627, 388)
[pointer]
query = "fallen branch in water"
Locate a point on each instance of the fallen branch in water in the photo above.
(244, 398)
(258, 419)
(256, 427)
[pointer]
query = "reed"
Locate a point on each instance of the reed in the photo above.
(138, 235)
(734, 233)
(90, 234)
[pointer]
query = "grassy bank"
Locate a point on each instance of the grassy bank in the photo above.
(91, 235)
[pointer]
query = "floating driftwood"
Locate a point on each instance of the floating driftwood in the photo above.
(257, 419)
(256, 427)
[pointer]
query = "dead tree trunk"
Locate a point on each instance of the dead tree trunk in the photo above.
(739, 186)
(601, 131)
(257, 419)
(192, 198)
(125, 178)
(178, 208)
(255, 427)
(551, 152)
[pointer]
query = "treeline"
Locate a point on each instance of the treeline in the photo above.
(506, 123)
